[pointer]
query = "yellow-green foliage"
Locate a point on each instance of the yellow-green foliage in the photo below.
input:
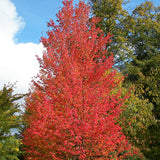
(136, 117)
(9, 148)
(112, 17)
(9, 119)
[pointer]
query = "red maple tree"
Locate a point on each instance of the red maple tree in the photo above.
(71, 110)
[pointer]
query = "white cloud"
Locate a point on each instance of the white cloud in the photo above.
(11, 23)
(17, 61)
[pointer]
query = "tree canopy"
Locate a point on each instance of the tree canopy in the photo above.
(72, 112)
(136, 48)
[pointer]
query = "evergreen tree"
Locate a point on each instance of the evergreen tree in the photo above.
(9, 119)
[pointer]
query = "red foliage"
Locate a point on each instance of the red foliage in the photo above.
(71, 113)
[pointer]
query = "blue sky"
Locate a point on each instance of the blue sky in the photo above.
(36, 14)
(23, 22)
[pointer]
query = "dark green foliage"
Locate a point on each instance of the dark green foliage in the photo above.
(136, 47)
(144, 68)
(154, 145)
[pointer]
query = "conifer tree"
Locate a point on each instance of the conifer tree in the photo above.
(9, 120)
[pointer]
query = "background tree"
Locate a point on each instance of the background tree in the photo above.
(9, 119)
(143, 71)
(139, 52)
(144, 24)
(141, 31)
(71, 111)
(113, 18)
(136, 118)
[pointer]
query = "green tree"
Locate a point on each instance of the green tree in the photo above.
(136, 118)
(144, 69)
(136, 44)
(9, 119)
(144, 35)
(112, 20)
